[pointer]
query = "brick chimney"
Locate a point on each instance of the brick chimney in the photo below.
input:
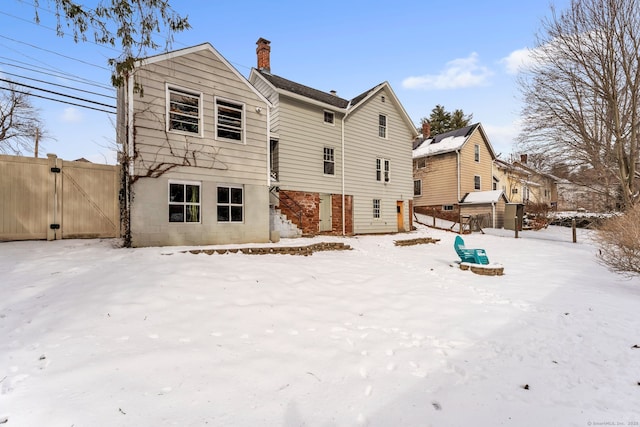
(523, 159)
(264, 54)
(426, 130)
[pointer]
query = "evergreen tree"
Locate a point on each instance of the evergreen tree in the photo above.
(442, 121)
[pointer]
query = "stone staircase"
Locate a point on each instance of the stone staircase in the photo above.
(279, 222)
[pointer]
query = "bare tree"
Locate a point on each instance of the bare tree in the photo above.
(20, 124)
(131, 25)
(582, 92)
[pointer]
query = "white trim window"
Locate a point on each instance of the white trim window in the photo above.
(329, 117)
(382, 126)
(476, 182)
(376, 208)
(230, 203)
(447, 208)
(383, 170)
(229, 120)
(476, 153)
(184, 111)
(329, 161)
(417, 187)
(184, 201)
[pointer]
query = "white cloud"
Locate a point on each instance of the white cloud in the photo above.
(71, 115)
(503, 137)
(459, 73)
(518, 60)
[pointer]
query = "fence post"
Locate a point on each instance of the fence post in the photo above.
(53, 211)
(433, 215)
(573, 229)
(516, 227)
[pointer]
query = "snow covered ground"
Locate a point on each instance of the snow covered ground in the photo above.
(382, 335)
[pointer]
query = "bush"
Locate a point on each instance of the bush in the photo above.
(537, 215)
(620, 242)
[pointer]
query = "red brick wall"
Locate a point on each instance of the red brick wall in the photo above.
(308, 204)
(336, 214)
(310, 208)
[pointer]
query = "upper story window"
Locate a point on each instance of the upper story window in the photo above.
(476, 153)
(476, 182)
(382, 126)
(184, 201)
(329, 117)
(383, 172)
(329, 161)
(184, 111)
(229, 120)
(421, 163)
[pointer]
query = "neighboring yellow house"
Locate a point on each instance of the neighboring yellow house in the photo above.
(512, 180)
(541, 187)
(450, 165)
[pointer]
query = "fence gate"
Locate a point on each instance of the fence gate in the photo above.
(55, 199)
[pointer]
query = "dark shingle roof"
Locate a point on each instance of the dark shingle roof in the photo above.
(465, 131)
(306, 91)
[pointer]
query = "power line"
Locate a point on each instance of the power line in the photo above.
(59, 100)
(59, 85)
(55, 30)
(58, 93)
(55, 53)
(58, 74)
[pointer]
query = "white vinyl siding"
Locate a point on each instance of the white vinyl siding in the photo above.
(201, 157)
(362, 148)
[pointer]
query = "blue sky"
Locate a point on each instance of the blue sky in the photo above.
(458, 54)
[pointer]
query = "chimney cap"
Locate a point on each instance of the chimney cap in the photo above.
(263, 40)
(333, 92)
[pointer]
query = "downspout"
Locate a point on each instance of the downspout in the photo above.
(129, 102)
(343, 180)
(268, 147)
(493, 213)
(458, 172)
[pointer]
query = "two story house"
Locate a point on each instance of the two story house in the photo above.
(338, 166)
(195, 135)
(541, 187)
(448, 166)
(514, 181)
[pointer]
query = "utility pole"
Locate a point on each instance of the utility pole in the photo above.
(37, 140)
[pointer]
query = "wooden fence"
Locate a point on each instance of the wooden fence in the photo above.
(57, 199)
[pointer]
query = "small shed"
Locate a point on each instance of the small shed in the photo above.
(487, 207)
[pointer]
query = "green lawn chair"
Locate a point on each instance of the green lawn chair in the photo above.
(475, 256)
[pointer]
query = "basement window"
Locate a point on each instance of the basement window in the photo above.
(184, 201)
(230, 204)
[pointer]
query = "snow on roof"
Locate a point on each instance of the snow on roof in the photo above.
(483, 196)
(450, 143)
